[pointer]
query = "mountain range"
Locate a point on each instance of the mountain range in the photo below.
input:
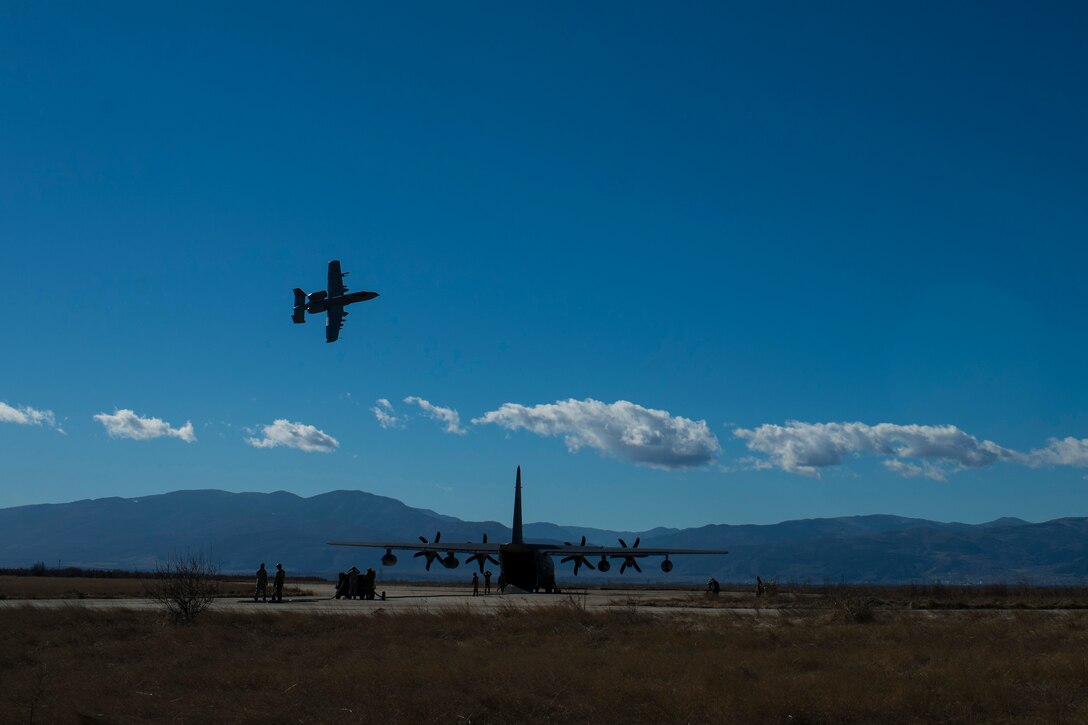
(240, 530)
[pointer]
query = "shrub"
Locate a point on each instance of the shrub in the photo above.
(185, 585)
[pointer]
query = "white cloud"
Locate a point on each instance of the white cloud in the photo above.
(807, 447)
(385, 414)
(449, 416)
(622, 429)
(1061, 452)
(126, 424)
(25, 415)
(913, 470)
(294, 435)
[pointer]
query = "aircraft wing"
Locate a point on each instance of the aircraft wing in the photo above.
(466, 547)
(336, 279)
(619, 551)
(334, 321)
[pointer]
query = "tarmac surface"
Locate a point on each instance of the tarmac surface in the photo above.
(422, 597)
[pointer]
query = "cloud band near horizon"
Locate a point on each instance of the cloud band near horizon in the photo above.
(125, 423)
(299, 436)
(25, 415)
(621, 429)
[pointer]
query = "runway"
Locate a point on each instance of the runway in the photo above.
(430, 598)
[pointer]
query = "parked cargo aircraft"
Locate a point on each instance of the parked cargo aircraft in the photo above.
(529, 567)
(331, 301)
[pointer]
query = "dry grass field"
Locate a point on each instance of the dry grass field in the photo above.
(548, 664)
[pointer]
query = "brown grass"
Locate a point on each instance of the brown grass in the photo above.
(547, 664)
(859, 596)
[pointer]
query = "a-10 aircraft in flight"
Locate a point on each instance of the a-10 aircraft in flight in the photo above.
(331, 301)
(528, 567)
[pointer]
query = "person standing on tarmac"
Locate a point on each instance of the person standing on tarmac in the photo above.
(368, 584)
(353, 583)
(277, 584)
(262, 584)
(487, 582)
(475, 584)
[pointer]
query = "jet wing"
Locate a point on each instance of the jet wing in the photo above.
(336, 279)
(466, 547)
(334, 321)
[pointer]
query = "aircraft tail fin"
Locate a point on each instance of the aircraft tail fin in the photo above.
(517, 537)
(299, 314)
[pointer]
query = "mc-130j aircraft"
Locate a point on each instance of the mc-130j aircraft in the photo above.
(331, 301)
(529, 567)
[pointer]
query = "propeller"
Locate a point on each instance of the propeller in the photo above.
(629, 559)
(431, 554)
(482, 558)
(578, 559)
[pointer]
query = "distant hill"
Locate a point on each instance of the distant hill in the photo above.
(240, 530)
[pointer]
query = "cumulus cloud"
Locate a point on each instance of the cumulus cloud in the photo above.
(449, 416)
(387, 417)
(621, 429)
(1061, 452)
(294, 435)
(807, 447)
(914, 470)
(25, 415)
(126, 424)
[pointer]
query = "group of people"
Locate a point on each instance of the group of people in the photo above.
(487, 583)
(354, 583)
(277, 584)
(713, 587)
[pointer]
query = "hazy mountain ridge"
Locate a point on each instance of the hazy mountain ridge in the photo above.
(241, 530)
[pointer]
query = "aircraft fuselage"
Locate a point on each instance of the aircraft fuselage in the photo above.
(527, 567)
(317, 302)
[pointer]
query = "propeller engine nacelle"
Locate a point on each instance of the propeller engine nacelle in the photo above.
(629, 559)
(389, 559)
(603, 565)
(578, 559)
(430, 554)
(666, 566)
(450, 562)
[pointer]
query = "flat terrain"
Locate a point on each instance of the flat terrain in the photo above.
(433, 654)
(318, 599)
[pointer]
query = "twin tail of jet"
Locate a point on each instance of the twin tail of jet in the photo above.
(331, 301)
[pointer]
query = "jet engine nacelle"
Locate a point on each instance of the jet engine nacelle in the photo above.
(450, 562)
(316, 301)
(389, 559)
(603, 565)
(666, 566)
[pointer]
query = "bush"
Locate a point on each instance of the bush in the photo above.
(185, 585)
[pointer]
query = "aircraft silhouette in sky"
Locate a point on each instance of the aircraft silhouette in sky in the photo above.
(331, 301)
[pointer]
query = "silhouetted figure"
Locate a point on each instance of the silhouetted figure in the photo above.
(277, 584)
(368, 584)
(342, 585)
(353, 583)
(502, 583)
(487, 582)
(759, 587)
(713, 587)
(262, 584)
(475, 584)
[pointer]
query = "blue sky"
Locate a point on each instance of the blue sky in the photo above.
(708, 264)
